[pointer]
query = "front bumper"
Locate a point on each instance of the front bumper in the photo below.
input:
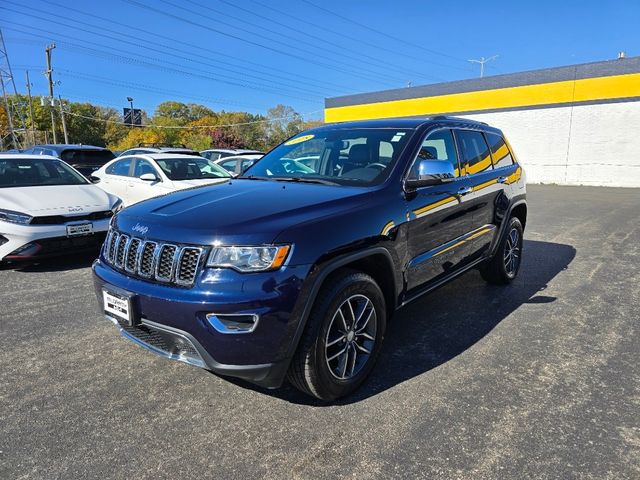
(173, 320)
(47, 240)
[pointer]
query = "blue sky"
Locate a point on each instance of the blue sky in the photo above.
(253, 54)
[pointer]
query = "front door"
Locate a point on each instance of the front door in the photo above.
(137, 189)
(440, 217)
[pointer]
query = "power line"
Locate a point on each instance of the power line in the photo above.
(359, 57)
(377, 47)
(162, 65)
(379, 32)
(253, 65)
(244, 40)
(192, 127)
(219, 76)
(341, 63)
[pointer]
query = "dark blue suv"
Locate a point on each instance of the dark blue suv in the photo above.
(294, 269)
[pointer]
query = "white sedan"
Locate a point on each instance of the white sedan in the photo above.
(48, 208)
(134, 178)
(237, 164)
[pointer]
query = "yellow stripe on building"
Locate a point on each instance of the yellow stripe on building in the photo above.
(582, 90)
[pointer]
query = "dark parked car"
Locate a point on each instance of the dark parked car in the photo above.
(84, 158)
(159, 148)
(289, 272)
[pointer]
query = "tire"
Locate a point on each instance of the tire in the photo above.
(504, 266)
(312, 369)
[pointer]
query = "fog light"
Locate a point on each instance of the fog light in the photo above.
(233, 323)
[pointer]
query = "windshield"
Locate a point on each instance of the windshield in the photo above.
(28, 172)
(182, 168)
(87, 157)
(356, 157)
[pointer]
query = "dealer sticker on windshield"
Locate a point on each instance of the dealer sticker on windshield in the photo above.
(301, 139)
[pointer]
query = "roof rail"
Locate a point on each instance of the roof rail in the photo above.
(459, 119)
(162, 145)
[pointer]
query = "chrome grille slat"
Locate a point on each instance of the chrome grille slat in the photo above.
(149, 260)
(121, 249)
(166, 262)
(131, 257)
(147, 263)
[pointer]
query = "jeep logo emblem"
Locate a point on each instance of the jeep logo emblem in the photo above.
(141, 229)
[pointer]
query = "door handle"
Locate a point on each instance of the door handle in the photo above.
(502, 180)
(464, 191)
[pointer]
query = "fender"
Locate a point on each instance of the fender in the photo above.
(503, 225)
(324, 271)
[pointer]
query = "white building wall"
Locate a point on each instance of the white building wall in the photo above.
(581, 145)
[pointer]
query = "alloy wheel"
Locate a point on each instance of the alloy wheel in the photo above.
(351, 337)
(512, 253)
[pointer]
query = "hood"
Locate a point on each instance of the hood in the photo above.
(56, 199)
(238, 212)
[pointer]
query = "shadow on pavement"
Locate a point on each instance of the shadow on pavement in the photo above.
(442, 325)
(54, 264)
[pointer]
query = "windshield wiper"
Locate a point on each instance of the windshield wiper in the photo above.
(305, 180)
(251, 177)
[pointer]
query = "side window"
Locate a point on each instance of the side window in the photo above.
(501, 154)
(142, 167)
(120, 168)
(229, 165)
(474, 151)
(213, 156)
(438, 145)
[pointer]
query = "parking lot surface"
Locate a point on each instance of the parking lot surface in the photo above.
(539, 379)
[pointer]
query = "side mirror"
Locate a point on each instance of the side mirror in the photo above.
(93, 179)
(432, 172)
(148, 177)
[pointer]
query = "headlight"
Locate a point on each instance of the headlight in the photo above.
(15, 217)
(117, 206)
(249, 259)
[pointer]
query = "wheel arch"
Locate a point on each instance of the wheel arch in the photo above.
(376, 262)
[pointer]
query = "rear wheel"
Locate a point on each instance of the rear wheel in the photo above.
(504, 266)
(342, 338)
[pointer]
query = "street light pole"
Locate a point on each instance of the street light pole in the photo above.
(482, 61)
(130, 100)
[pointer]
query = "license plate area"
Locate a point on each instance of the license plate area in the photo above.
(78, 230)
(120, 307)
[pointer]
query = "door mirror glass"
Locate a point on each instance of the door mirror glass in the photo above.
(148, 177)
(432, 172)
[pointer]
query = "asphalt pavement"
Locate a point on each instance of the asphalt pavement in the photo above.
(539, 379)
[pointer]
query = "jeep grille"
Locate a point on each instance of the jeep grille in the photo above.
(162, 262)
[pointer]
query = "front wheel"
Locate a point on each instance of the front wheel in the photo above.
(342, 338)
(504, 266)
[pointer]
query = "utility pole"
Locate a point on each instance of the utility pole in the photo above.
(64, 122)
(9, 115)
(51, 97)
(33, 130)
(482, 61)
(6, 74)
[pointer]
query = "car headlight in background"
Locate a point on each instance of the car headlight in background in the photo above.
(117, 206)
(14, 217)
(249, 259)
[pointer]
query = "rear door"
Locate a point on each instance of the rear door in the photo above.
(488, 192)
(116, 177)
(440, 217)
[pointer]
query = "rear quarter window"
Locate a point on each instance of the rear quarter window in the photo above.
(501, 155)
(474, 150)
